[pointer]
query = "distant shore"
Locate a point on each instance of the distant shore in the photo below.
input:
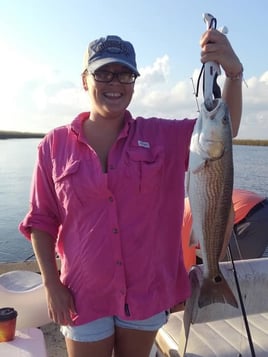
(251, 142)
(27, 135)
(19, 135)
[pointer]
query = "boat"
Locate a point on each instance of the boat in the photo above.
(215, 330)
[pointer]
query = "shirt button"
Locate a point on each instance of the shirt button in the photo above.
(118, 262)
(115, 230)
(111, 199)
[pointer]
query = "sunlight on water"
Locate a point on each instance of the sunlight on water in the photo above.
(251, 168)
(16, 165)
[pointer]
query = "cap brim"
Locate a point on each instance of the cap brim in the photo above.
(93, 66)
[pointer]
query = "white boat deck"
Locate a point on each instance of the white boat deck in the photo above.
(223, 338)
(217, 330)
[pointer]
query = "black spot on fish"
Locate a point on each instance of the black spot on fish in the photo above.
(217, 279)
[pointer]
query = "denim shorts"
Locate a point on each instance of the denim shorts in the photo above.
(102, 328)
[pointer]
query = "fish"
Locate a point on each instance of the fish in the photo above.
(209, 188)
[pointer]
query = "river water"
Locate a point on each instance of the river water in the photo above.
(16, 164)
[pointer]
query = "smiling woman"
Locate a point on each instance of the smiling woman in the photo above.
(108, 191)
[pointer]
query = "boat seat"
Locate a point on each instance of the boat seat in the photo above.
(219, 329)
(24, 291)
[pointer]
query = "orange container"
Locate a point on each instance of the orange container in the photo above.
(8, 318)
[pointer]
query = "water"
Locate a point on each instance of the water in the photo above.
(16, 164)
(251, 168)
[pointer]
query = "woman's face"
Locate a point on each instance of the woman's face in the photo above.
(109, 99)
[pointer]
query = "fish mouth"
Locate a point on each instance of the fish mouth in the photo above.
(211, 105)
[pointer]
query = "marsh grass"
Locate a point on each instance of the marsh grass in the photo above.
(250, 142)
(28, 135)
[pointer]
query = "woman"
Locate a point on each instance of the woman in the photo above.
(108, 193)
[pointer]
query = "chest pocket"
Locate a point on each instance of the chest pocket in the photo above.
(63, 178)
(144, 168)
(79, 181)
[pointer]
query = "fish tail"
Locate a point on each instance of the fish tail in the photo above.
(216, 290)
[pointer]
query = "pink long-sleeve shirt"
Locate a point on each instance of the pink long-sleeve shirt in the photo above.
(117, 233)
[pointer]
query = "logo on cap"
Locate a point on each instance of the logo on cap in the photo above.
(113, 45)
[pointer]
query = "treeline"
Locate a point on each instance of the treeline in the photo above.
(27, 135)
(251, 142)
(19, 135)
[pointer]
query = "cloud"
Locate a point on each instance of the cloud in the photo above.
(154, 96)
(38, 98)
(178, 101)
(254, 122)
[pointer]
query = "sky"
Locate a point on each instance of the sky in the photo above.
(42, 44)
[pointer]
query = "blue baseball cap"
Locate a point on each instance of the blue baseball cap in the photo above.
(110, 49)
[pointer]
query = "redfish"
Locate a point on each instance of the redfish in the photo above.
(210, 186)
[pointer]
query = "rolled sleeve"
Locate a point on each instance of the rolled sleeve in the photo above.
(43, 213)
(40, 222)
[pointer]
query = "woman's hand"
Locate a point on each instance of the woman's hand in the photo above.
(60, 302)
(216, 47)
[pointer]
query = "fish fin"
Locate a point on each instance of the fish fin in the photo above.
(200, 167)
(217, 291)
(228, 232)
(193, 241)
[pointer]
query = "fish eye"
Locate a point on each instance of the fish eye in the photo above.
(225, 119)
(217, 279)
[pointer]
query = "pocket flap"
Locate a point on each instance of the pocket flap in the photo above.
(70, 168)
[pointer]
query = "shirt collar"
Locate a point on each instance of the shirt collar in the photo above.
(77, 124)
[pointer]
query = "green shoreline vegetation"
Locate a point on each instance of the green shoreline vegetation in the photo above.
(252, 142)
(28, 135)
(19, 135)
